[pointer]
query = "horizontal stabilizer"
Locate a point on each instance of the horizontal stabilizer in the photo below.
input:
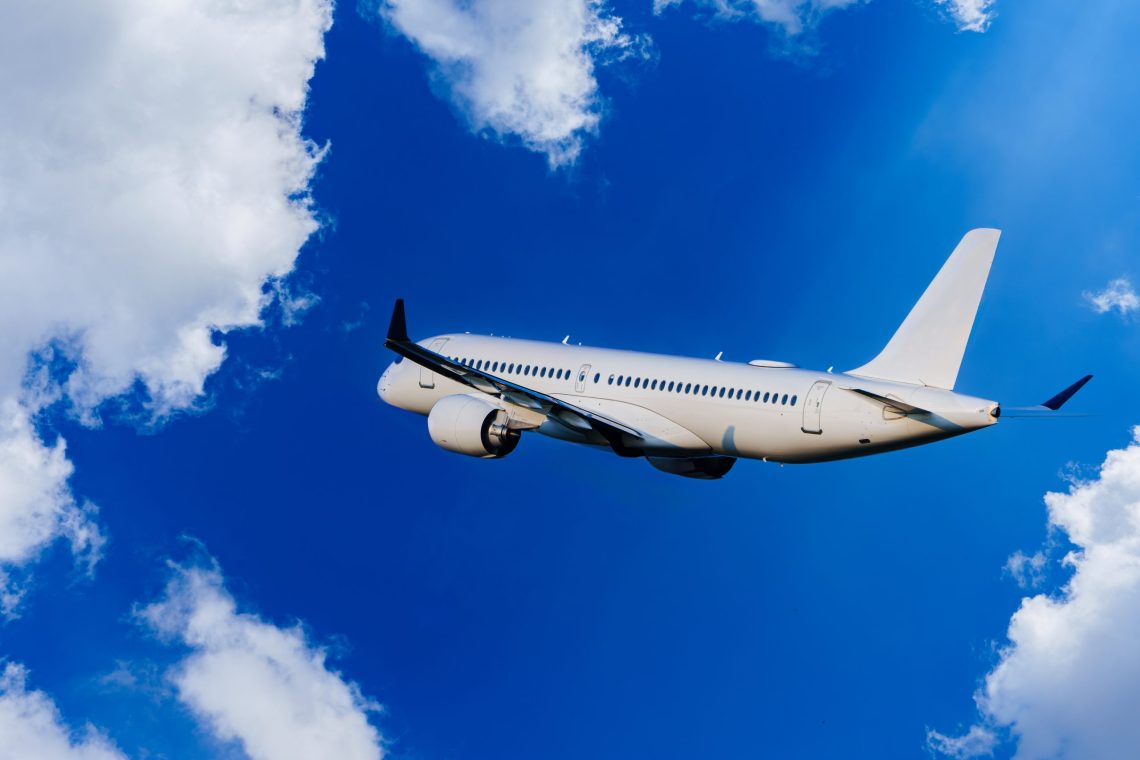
(1048, 408)
(927, 348)
(1059, 400)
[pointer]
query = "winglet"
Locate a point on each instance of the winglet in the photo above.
(1058, 401)
(398, 327)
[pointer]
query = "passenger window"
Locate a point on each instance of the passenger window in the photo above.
(793, 400)
(765, 397)
(628, 380)
(785, 399)
(705, 391)
(597, 377)
(748, 396)
(653, 386)
(610, 381)
(722, 392)
(670, 388)
(542, 372)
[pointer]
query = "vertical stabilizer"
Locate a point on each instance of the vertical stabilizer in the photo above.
(927, 348)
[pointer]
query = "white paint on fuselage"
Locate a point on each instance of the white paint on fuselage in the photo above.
(850, 425)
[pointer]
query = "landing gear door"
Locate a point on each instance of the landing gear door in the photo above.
(580, 378)
(427, 377)
(813, 406)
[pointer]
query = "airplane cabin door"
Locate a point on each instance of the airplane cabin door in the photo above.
(813, 406)
(427, 377)
(580, 380)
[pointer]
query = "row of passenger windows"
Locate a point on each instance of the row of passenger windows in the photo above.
(627, 381)
(487, 365)
(695, 389)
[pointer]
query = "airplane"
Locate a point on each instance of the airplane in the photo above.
(695, 417)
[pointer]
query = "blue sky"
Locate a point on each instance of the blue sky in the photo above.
(745, 191)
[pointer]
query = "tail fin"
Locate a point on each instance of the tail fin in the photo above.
(927, 348)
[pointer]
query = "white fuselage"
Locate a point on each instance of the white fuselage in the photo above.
(695, 407)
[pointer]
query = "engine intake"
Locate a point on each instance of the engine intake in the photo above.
(471, 425)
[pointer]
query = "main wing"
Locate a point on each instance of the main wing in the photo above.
(567, 414)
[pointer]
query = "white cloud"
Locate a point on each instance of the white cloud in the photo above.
(31, 727)
(248, 680)
(153, 180)
(793, 17)
(977, 742)
(520, 69)
(1027, 569)
(970, 15)
(1068, 682)
(36, 506)
(1118, 294)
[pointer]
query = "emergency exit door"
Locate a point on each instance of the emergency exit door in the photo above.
(813, 407)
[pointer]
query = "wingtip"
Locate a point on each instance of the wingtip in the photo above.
(398, 327)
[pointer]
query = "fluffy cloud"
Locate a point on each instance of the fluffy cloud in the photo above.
(266, 687)
(36, 506)
(153, 188)
(520, 69)
(1068, 682)
(1118, 295)
(31, 727)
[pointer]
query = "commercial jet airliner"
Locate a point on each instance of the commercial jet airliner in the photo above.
(696, 417)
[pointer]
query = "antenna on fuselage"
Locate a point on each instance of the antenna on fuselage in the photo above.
(564, 340)
(717, 358)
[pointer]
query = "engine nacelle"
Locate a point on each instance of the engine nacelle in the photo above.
(471, 425)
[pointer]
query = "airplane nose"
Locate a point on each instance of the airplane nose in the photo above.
(996, 411)
(384, 384)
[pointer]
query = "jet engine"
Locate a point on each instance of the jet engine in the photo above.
(471, 425)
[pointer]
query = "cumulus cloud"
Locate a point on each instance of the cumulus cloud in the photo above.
(153, 188)
(1118, 294)
(31, 727)
(1068, 682)
(266, 687)
(520, 69)
(36, 506)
